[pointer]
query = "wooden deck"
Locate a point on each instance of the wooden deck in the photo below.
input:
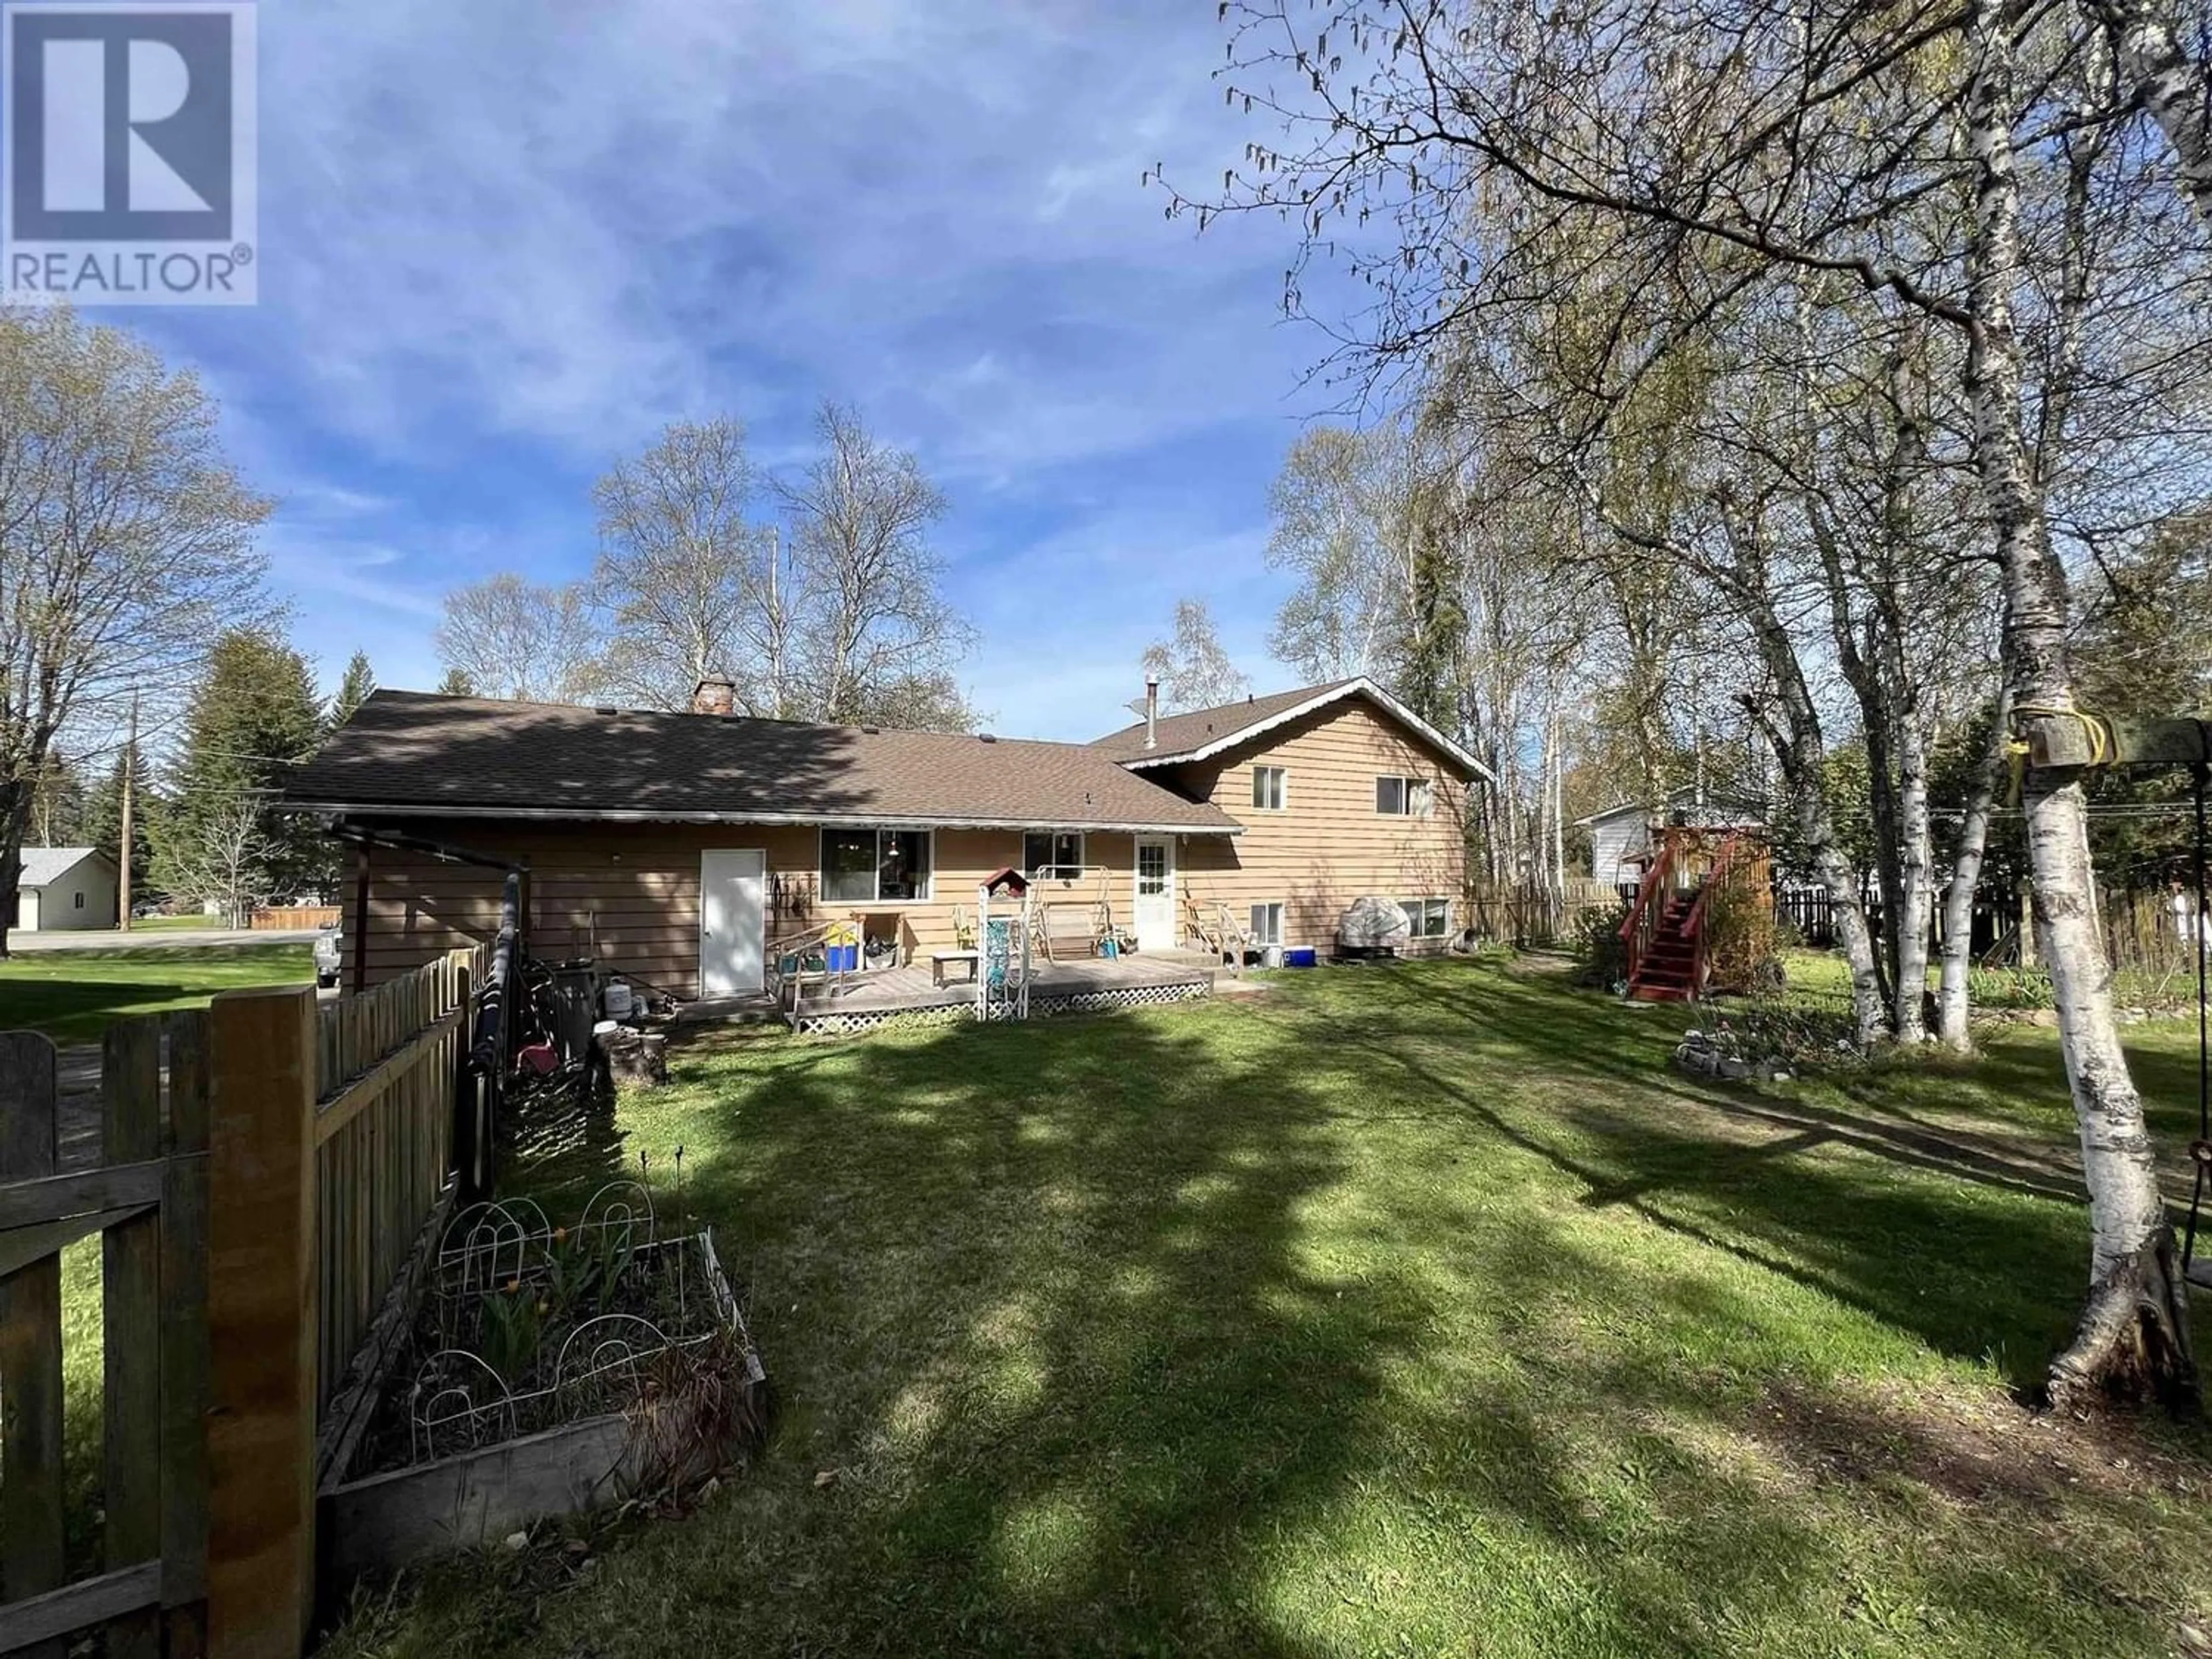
(887, 993)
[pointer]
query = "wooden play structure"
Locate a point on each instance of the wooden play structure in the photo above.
(1664, 937)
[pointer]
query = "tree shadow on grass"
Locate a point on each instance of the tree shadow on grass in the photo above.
(1357, 1321)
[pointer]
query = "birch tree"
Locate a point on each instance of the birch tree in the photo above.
(1193, 668)
(878, 638)
(692, 588)
(521, 641)
(1704, 154)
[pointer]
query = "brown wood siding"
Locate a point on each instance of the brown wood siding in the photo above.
(631, 892)
(1328, 846)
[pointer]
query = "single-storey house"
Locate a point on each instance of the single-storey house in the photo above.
(64, 888)
(685, 848)
(1622, 837)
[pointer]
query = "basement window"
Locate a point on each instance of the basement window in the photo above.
(1266, 924)
(1431, 918)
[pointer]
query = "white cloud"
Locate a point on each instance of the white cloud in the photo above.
(505, 240)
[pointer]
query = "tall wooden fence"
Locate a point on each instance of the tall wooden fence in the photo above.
(1528, 913)
(252, 1215)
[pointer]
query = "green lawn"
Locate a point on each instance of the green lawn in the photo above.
(71, 995)
(1420, 1311)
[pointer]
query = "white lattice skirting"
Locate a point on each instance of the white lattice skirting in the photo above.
(853, 1022)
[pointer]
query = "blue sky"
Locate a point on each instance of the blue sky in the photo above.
(504, 242)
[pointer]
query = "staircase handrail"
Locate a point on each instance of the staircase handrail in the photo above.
(1693, 925)
(1643, 914)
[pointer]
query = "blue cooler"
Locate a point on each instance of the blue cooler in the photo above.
(1302, 956)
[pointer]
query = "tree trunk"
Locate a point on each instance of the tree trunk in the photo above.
(15, 810)
(2151, 62)
(2133, 1340)
(1910, 919)
(1954, 1001)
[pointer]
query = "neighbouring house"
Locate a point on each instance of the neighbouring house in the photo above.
(65, 888)
(683, 849)
(1622, 837)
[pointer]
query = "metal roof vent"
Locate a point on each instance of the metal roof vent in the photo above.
(606, 709)
(874, 730)
(985, 737)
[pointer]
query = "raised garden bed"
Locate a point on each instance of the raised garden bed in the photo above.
(548, 1370)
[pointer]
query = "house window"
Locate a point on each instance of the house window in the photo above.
(1431, 918)
(1270, 787)
(1053, 854)
(1151, 869)
(1266, 924)
(1402, 798)
(79, 900)
(873, 866)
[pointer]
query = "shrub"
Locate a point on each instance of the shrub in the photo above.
(1601, 958)
(1741, 937)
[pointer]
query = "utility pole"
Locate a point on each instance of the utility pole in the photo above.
(124, 850)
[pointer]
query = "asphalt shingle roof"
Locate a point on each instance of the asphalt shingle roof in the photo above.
(411, 749)
(42, 864)
(1179, 734)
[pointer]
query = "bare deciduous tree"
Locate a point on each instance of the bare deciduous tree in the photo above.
(126, 544)
(689, 582)
(223, 857)
(1194, 670)
(515, 640)
(874, 624)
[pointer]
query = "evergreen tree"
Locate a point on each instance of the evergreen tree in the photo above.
(103, 823)
(254, 718)
(353, 690)
(457, 684)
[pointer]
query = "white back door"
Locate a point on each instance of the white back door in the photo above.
(1156, 893)
(733, 917)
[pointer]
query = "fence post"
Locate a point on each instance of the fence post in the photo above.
(262, 1324)
(30, 1499)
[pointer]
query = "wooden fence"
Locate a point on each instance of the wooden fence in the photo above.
(146, 1197)
(250, 1232)
(386, 1065)
(295, 917)
(1526, 913)
(2141, 935)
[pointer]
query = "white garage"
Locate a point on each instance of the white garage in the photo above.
(65, 887)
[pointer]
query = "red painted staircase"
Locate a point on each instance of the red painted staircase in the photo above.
(1667, 969)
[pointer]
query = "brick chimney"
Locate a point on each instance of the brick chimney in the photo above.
(715, 696)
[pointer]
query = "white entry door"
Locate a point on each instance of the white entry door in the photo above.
(732, 911)
(1156, 895)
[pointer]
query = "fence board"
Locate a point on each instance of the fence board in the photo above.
(31, 1561)
(262, 1324)
(184, 1334)
(43, 1624)
(131, 1305)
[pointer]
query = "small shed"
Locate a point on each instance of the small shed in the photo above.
(65, 888)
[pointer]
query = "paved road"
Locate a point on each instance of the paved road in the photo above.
(167, 939)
